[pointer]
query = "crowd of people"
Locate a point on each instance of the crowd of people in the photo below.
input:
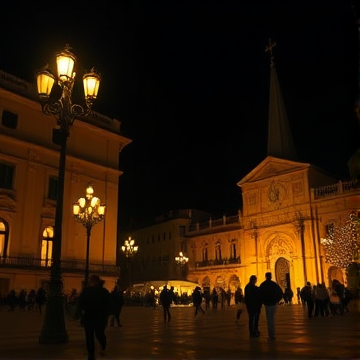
(33, 300)
(97, 308)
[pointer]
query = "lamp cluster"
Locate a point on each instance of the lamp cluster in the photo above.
(181, 259)
(88, 210)
(63, 106)
(129, 248)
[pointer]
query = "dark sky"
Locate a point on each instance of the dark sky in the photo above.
(189, 81)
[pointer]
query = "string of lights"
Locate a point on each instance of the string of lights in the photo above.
(342, 245)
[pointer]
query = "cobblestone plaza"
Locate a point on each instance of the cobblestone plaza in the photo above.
(215, 335)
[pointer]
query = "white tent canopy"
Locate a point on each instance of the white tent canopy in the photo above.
(180, 286)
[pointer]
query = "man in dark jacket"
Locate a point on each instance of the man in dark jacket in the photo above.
(270, 295)
(94, 306)
(197, 300)
(117, 303)
(253, 306)
(166, 300)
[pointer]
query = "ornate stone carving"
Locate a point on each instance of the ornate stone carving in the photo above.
(7, 203)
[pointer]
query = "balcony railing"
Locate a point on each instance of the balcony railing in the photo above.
(67, 266)
(334, 189)
(218, 262)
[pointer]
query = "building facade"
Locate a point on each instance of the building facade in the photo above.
(159, 244)
(29, 162)
(288, 208)
(286, 213)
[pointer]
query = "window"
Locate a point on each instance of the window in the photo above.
(4, 238)
(204, 254)
(329, 228)
(9, 119)
(6, 176)
(182, 230)
(46, 246)
(53, 188)
(218, 250)
(233, 251)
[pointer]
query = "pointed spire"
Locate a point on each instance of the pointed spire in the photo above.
(280, 141)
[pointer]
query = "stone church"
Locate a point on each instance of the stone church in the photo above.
(288, 208)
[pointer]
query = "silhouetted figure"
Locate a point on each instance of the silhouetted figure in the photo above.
(253, 306)
(94, 305)
(166, 299)
(270, 294)
(117, 303)
(288, 295)
(40, 299)
(308, 297)
(239, 301)
(214, 298)
(197, 300)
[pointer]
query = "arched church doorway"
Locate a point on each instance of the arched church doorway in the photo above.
(282, 273)
(335, 273)
(234, 281)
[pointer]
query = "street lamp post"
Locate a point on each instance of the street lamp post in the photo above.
(181, 260)
(129, 249)
(55, 94)
(88, 212)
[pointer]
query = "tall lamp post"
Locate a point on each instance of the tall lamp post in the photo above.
(181, 260)
(129, 249)
(55, 94)
(88, 212)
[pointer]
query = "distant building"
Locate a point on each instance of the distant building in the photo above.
(159, 244)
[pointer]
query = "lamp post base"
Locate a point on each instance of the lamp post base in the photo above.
(54, 330)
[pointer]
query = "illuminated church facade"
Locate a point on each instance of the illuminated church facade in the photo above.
(288, 208)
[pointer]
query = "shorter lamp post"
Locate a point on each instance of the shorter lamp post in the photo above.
(129, 249)
(181, 260)
(88, 212)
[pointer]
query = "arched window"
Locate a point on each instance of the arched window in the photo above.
(46, 246)
(4, 238)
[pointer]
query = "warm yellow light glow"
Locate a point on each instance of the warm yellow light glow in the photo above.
(101, 210)
(91, 85)
(65, 64)
(82, 202)
(45, 82)
(76, 209)
(94, 201)
(89, 191)
(48, 232)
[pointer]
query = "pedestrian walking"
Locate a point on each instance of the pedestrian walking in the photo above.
(308, 296)
(197, 300)
(94, 306)
(40, 299)
(117, 303)
(166, 299)
(253, 306)
(270, 294)
(239, 302)
(214, 298)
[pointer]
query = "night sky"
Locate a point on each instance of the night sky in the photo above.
(189, 81)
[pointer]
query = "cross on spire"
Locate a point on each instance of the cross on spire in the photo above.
(269, 48)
